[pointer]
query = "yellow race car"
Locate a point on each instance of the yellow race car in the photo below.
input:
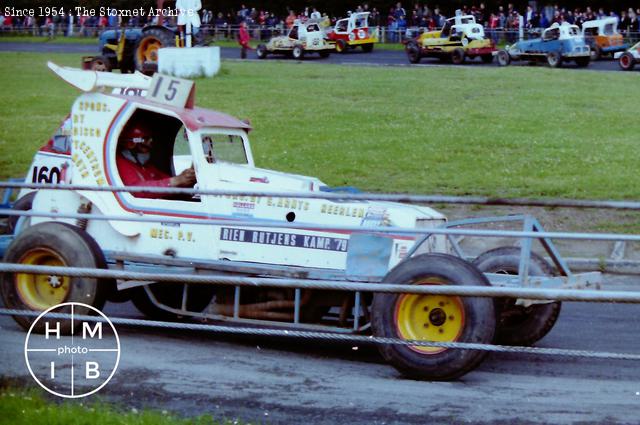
(460, 37)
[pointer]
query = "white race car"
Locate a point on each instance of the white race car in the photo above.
(302, 38)
(264, 236)
(630, 58)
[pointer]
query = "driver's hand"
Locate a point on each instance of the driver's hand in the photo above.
(185, 179)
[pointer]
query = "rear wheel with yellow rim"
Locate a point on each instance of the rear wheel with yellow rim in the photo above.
(433, 318)
(54, 245)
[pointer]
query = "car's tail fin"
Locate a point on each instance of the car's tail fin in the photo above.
(86, 80)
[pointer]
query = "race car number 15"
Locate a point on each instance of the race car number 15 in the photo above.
(169, 90)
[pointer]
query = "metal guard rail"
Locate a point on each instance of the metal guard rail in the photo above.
(326, 336)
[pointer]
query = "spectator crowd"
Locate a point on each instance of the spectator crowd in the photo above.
(396, 20)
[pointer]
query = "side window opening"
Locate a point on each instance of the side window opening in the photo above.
(609, 29)
(152, 147)
(61, 140)
(224, 148)
(294, 32)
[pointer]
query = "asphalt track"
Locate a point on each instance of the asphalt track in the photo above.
(300, 381)
(378, 57)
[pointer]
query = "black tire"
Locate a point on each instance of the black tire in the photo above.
(22, 204)
(51, 243)
(413, 52)
(554, 60)
(324, 53)
(627, 61)
(487, 58)
(170, 294)
(341, 46)
(477, 324)
(367, 48)
(504, 58)
(261, 51)
(100, 63)
(583, 62)
(596, 53)
(518, 325)
(145, 54)
(457, 56)
(297, 52)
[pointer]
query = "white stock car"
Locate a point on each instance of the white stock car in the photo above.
(302, 38)
(629, 58)
(316, 238)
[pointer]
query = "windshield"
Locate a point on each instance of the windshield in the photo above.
(227, 148)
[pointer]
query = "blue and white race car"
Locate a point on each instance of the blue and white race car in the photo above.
(558, 44)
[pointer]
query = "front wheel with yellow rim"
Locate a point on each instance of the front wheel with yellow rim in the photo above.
(433, 318)
(53, 245)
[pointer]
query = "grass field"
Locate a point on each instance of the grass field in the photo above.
(506, 132)
(19, 406)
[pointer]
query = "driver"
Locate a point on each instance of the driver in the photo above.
(132, 159)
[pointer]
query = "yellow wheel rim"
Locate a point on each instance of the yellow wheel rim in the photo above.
(148, 50)
(434, 318)
(41, 291)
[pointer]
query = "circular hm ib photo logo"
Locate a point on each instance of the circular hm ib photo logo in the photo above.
(75, 365)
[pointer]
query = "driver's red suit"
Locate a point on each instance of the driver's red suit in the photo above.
(133, 174)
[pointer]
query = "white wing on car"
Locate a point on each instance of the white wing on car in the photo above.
(88, 81)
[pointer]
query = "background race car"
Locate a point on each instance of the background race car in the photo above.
(558, 44)
(301, 39)
(630, 58)
(603, 37)
(354, 31)
(460, 37)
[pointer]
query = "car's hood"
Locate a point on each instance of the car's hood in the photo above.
(370, 213)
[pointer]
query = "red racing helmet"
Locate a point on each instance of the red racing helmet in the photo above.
(136, 132)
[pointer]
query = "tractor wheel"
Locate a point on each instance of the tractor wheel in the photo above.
(22, 204)
(457, 56)
(554, 60)
(324, 53)
(518, 325)
(504, 58)
(413, 52)
(596, 53)
(487, 58)
(627, 61)
(297, 52)
(146, 51)
(261, 51)
(341, 46)
(170, 294)
(100, 63)
(53, 244)
(367, 48)
(438, 318)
